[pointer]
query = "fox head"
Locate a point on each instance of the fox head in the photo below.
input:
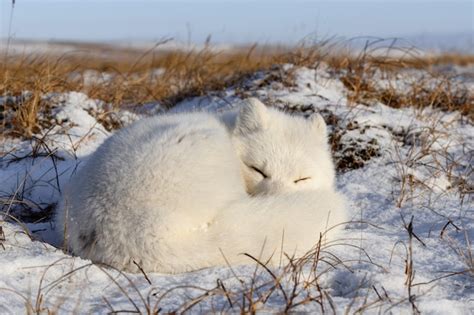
(280, 152)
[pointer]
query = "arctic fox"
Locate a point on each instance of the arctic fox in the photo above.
(179, 192)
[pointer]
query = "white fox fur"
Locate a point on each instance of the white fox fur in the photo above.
(171, 192)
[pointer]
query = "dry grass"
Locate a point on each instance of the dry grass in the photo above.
(125, 77)
(130, 77)
(297, 283)
(422, 154)
(361, 76)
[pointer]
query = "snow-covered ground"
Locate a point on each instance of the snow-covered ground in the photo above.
(408, 175)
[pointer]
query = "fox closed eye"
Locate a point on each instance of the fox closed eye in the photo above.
(258, 171)
(301, 179)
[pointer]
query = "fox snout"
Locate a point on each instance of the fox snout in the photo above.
(271, 187)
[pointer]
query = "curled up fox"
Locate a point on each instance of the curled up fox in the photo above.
(179, 192)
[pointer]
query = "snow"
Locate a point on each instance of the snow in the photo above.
(422, 159)
(59, 48)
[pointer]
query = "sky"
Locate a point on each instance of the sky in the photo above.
(231, 21)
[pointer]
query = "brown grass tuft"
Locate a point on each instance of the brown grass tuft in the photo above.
(131, 77)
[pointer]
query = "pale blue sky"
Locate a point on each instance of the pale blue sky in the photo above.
(232, 21)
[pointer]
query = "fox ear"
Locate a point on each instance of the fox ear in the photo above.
(252, 116)
(318, 125)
